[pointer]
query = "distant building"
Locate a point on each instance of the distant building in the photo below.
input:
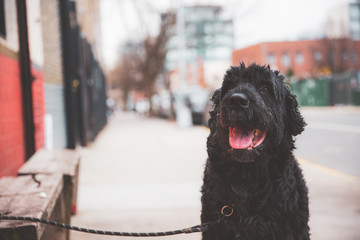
(303, 59)
(344, 21)
(209, 44)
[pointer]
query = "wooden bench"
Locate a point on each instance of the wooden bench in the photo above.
(62, 161)
(22, 196)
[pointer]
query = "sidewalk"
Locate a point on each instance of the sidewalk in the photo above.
(145, 175)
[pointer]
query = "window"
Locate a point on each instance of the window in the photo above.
(2, 19)
(271, 58)
(299, 58)
(354, 57)
(285, 59)
(344, 55)
(191, 28)
(209, 28)
(354, 11)
(317, 56)
(355, 26)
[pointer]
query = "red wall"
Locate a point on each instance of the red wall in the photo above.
(38, 108)
(12, 149)
(307, 48)
(247, 55)
(309, 67)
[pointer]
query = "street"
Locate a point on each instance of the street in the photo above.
(331, 138)
(141, 174)
(145, 175)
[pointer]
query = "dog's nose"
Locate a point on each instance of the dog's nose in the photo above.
(238, 100)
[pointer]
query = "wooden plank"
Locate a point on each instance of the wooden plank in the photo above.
(22, 196)
(63, 161)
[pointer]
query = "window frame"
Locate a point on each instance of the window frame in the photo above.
(271, 58)
(2, 19)
(299, 58)
(286, 59)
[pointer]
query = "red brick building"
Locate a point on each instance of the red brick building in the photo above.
(12, 149)
(21, 107)
(45, 66)
(306, 58)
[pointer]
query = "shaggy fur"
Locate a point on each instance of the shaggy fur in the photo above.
(259, 178)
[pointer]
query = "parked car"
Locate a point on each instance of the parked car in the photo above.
(142, 106)
(196, 98)
(161, 104)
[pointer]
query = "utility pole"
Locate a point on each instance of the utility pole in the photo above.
(180, 29)
(183, 113)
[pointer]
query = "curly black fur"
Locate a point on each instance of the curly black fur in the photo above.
(264, 184)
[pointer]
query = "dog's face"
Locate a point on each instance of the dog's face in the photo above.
(253, 110)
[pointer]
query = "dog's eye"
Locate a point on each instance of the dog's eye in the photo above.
(265, 90)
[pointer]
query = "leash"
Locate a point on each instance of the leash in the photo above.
(226, 211)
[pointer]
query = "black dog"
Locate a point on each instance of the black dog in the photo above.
(251, 174)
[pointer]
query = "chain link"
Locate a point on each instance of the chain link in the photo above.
(198, 228)
(194, 229)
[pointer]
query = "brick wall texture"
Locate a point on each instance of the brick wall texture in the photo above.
(50, 20)
(53, 75)
(12, 149)
(38, 108)
(309, 66)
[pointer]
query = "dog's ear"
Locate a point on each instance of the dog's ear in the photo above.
(294, 120)
(215, 99)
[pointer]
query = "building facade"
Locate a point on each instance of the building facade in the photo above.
(52, 88)
(344, 21)
(21, 87)
(56, 135)
(303, 59)
(208, 44)
(88, 18)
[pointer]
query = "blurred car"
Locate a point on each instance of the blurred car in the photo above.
(142, 106)
(130, 104)
(110, 106)
(161, 104)
(196, 98)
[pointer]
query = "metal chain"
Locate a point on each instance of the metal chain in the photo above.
(226, 211)
(198, 228)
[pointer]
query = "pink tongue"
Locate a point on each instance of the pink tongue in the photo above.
(238, 139)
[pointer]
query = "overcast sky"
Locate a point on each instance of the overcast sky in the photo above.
(254, 20)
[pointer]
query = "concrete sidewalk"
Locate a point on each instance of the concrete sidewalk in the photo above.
(145, 175)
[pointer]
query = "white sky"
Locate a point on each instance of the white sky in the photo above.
(254, 20)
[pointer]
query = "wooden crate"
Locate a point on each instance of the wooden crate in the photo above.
(64, 161)
(22, 196)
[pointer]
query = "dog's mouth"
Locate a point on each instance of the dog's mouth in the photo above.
(245, 139)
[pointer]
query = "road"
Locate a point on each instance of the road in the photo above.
(331, 139)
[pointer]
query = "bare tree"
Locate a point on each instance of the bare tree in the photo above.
(338, 55)
(140, 65)
(153, 62)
